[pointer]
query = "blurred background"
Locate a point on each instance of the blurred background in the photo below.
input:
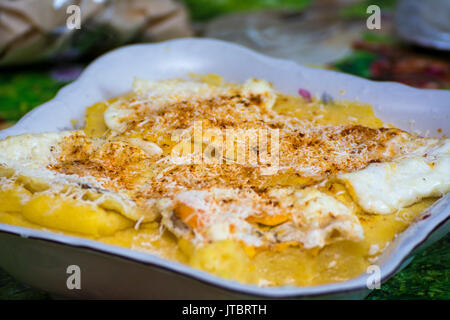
(45, 44)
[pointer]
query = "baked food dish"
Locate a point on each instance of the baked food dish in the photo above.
(335, 187)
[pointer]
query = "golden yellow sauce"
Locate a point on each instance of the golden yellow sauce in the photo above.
(280, 265)
(336, 113)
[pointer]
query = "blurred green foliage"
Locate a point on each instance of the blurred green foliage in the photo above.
(357, 63)
(359, 9)
(427, 277)
(11, 289)
(376, 37)
(21, 91)
(202, 10)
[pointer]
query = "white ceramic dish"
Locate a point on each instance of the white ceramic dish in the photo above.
(41, 258)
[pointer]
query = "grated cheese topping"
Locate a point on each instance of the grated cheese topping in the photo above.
(136, 167)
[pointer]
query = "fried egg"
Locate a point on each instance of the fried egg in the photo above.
(383, 188)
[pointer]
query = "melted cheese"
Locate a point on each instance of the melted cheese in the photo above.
(31, 160)
(30, 150)
(383, 188)
(318, 219)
